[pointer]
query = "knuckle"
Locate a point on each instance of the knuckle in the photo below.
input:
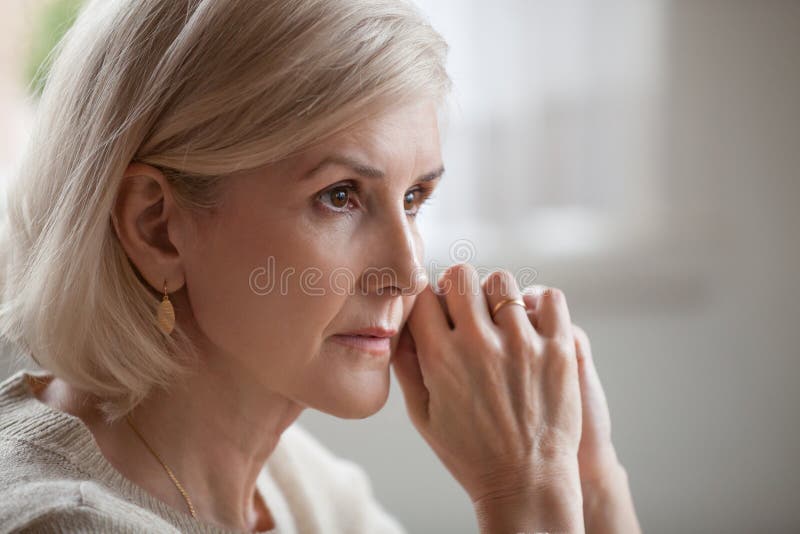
(559, 349)
(555, 294)
(499, 282)
(537, 291)
(463, 269)
(455, 276)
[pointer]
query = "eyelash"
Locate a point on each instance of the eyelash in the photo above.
(425, 190)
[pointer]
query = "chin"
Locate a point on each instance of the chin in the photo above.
(356, 399)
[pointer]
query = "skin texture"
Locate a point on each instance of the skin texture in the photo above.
(267, 355)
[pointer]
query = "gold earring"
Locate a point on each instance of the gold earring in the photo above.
(166, 313)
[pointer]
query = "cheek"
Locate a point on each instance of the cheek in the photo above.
(267, 298)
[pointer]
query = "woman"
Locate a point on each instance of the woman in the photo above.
(190, 256)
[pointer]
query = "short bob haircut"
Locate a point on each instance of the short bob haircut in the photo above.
(199, 89)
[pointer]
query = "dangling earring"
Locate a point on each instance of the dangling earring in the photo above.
(166, 313)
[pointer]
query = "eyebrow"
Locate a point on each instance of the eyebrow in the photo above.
(364, 169)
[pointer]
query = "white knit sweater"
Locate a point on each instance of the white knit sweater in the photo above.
(54, 478)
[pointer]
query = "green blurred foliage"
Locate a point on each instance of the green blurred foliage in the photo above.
(54, 20)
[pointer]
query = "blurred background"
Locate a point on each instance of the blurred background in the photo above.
(643, 156)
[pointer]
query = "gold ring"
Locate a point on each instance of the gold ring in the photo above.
(507, 301)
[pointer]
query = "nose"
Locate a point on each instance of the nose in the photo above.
(398, 254)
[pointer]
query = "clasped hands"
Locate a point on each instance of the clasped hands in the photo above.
(512, 405)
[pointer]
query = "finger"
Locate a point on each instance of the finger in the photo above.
(427, 322)
(466, 302)
(531, 295)
(591, 388)
(443, 304)
(595, 445)
(553, 315)
(498, 287)
(409, 376)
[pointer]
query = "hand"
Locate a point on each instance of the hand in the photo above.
(597, 458)
(496, 399)
(608, 505)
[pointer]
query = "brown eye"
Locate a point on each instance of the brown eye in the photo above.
(340, 196)
(414, 199)
(409, 200)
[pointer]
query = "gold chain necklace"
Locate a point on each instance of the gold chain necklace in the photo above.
(167, 469)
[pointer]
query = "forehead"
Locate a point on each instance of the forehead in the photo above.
(397, 138)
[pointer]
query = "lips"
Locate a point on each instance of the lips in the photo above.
(374, 340)
(373, 331)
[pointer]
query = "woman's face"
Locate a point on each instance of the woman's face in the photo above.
(284, 265)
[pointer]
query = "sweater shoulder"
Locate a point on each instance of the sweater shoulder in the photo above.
(45, 486)
(52, 505)
(27, 466)
(23, 500)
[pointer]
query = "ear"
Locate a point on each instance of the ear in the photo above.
(150, 226)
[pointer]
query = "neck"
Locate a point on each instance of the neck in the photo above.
(214, 431)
